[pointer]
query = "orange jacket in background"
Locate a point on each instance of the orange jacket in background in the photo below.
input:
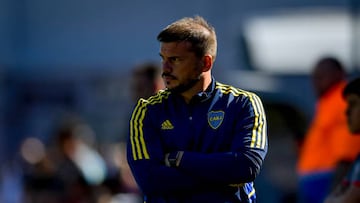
(328, 139)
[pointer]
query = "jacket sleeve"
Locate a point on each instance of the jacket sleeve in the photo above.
(146, 159)
(249, 147)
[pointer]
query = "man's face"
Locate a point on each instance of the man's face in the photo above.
(353, 112)
(181, 68)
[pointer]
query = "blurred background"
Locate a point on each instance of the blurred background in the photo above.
(73, 58)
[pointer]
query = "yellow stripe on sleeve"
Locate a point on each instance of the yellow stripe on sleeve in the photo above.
(138, 144)
(258, 138)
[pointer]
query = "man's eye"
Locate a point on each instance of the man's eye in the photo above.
(175, 59)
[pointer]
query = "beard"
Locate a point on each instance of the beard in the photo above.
(186, 85)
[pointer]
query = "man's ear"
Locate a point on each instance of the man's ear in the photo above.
(207, 63)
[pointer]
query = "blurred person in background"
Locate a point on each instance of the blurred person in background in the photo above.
(328, 147)
(145, 81)
(40, 181)
(80, 169)
(17, 174)
(348, 191)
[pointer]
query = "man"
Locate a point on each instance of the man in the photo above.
(328, 145)
(349, 190)
(198, 140)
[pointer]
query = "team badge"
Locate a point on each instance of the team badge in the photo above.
(215, 118)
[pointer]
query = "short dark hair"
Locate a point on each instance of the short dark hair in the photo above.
(195, 30)
(353, 87)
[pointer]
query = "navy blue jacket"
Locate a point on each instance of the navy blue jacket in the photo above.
(223, 134)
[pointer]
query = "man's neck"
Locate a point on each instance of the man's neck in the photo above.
(200, 86)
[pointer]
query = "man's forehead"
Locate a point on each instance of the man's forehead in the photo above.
(175, 46)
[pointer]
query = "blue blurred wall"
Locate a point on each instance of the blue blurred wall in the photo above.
(93, 32)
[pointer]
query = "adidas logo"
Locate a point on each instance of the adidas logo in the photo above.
(166, 125)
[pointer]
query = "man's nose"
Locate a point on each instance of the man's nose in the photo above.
(166, 66)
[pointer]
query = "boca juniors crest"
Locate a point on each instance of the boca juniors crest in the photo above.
(215, 118)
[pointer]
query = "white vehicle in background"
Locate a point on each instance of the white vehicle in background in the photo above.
(280, 49)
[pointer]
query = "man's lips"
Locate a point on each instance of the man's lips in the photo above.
(168, 77)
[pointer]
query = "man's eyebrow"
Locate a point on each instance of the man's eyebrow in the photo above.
(162, 56)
